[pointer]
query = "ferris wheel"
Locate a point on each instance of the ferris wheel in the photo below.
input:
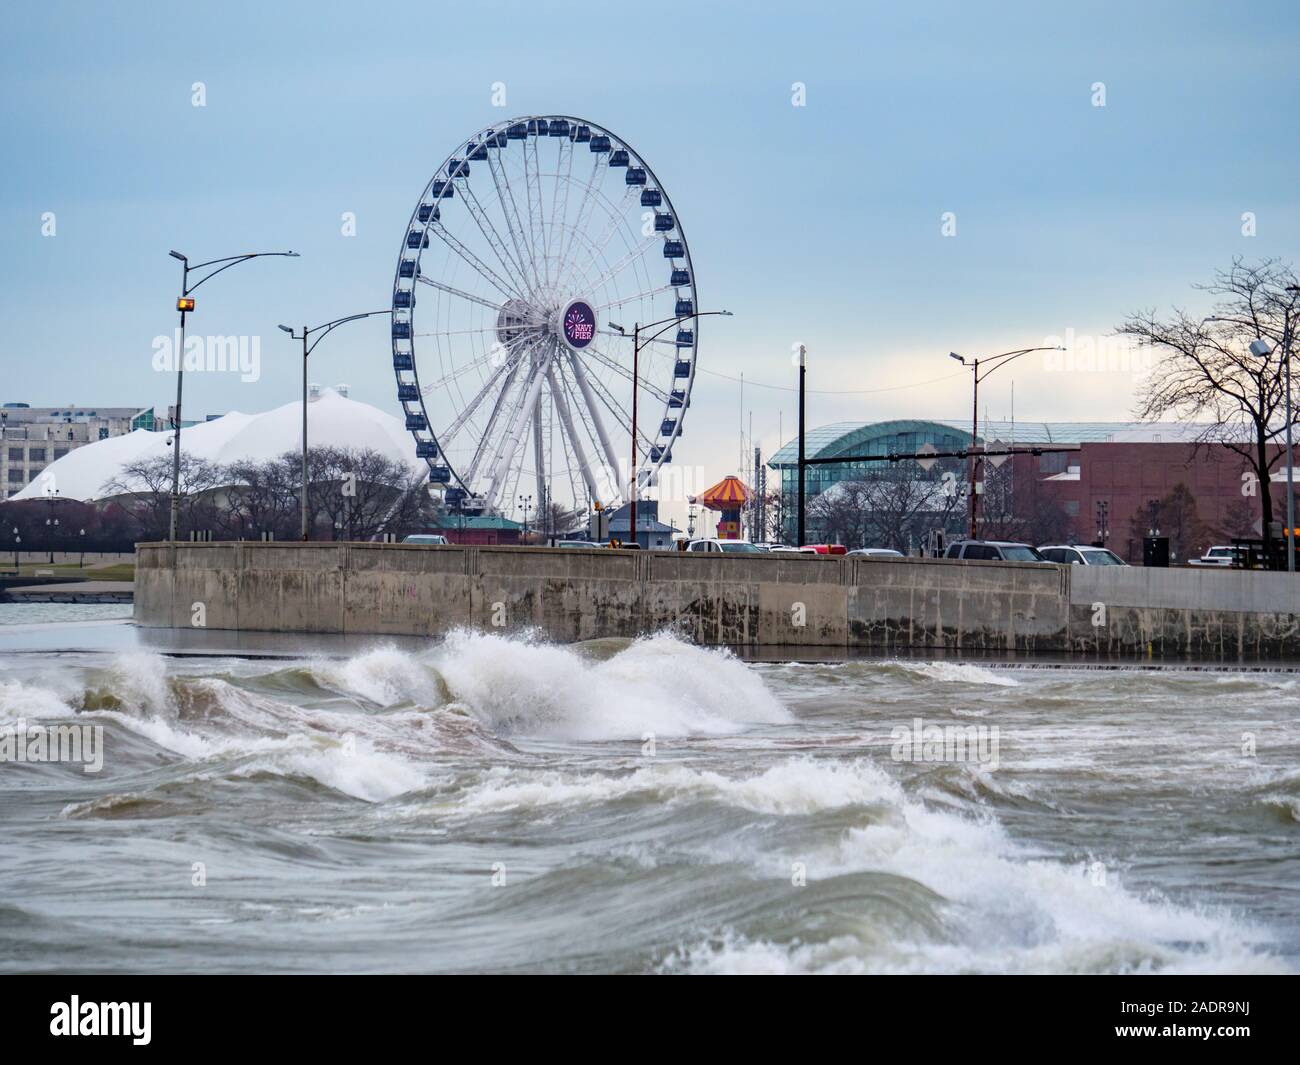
(531, 240)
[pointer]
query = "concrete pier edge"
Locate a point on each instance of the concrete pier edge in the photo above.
(729, 600)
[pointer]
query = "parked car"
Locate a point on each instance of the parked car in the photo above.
(1219, 555)
(727, 547)
(425, 538)
(828, 549)
(992, 551)
(576, 543)
(1080, 555)
(877, 552)
(787, 548)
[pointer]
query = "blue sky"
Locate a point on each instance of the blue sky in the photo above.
(818, 224)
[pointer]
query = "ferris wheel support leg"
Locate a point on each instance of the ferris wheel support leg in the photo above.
(566, 420)
(515, 438)
(539, 457)
(589, 398)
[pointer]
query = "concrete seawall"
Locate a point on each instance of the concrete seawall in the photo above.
(746, 601)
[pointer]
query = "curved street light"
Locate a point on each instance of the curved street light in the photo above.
(185, 304)
(992, 362)
(324, 329)
(637, 330)
(1261, 349)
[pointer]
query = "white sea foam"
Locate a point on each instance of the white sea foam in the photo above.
(1004, 909)
(356, 769)
(793, 786)
(386, 676)
(959, 673)
(22, 701)
(656, 685)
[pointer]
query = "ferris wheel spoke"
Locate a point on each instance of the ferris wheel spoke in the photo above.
(536, 220)
(617, 217)
(456, 332)
(620, 413)
(647, 294)
(459, 293)
(660, 341)
(479, 214)
(556, 216)
(497, 167)
(627, 260)
(582, 205)
(526, 235)
(485, 440)
(488, 356)
(519, 424)
(478, 265)
(619, 368)
(476, 402)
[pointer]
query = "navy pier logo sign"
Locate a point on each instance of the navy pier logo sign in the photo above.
(579, 324)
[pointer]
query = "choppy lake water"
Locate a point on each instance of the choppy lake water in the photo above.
(491, 804)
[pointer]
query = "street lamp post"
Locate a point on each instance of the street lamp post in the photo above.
(1261, 348)
(993, 362)
(325, 328)
(51, 522)
(185, 304)
(637, 330)
(525, 504)
(803, 373)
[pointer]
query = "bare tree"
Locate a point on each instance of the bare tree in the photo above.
(1206, 369)
(888, 508)
(361, 493)
(147, 484)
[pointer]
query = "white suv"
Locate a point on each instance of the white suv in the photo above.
(726, 547)
(1076, 555)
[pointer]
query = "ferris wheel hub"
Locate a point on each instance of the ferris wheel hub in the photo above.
(575, 324)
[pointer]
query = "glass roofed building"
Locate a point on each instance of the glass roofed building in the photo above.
(1113, 472)
(858, 438)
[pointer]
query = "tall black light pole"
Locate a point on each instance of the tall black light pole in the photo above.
(637, 330)
(325, 328)
(51, 522)
(803, 373)
(993, 362)
(185, 304)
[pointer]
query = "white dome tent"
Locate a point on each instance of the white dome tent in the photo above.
(333, 420)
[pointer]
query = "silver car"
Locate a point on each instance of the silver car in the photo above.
(1080, 555)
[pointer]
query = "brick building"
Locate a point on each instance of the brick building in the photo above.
(1106, 488)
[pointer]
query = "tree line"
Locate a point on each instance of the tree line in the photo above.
(352, 494)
